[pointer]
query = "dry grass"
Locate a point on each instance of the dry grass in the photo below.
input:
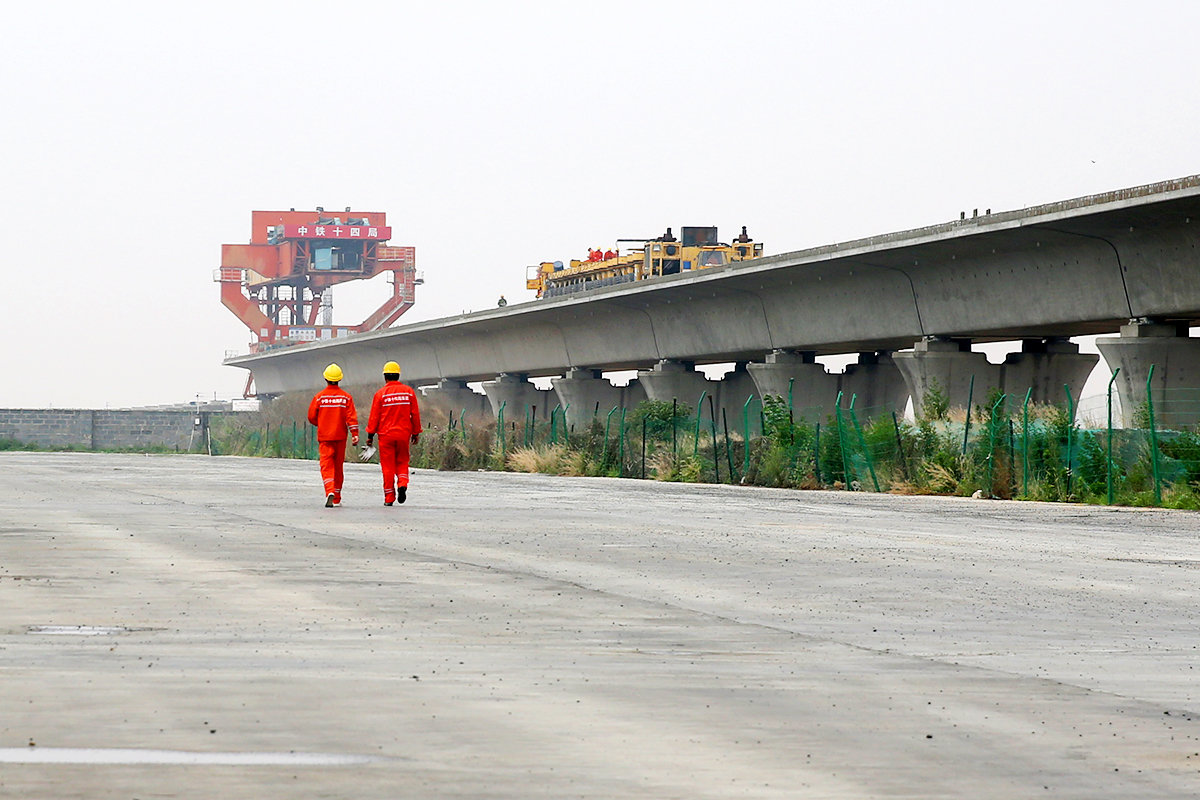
(574, 465)
(662, 465)
(958, 414)
(546, 459)
(941, 480)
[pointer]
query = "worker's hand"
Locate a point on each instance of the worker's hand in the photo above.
(415, 436)
(370, 436)
(354, 441)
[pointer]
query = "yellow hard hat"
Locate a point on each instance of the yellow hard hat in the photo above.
(333, 373)
(391, 368)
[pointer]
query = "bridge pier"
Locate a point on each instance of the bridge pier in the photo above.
(455, 395)
(783, 370)
(949, 365)
(730, 395)
(518, 394)
(1045, 365)
(583, 389)
(878, 382)
(674, 380)
(1175, 388)
(678, 380)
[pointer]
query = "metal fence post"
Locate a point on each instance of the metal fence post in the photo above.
(900, 447)
(1070, 435)
(842, 443)
(643, 447)
(863, 442)
(746, 434)
(992, 446)
(674, 427)
(967, 426)
(1110, 436)
(712, 413)
(621, 458)
(1012, 456)
(728, 451)
(607, 423)
(1153, 439)
(1025, 444)
(500, 433)
(699, 412)
(791, 383)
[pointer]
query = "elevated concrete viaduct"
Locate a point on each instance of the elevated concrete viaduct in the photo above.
(1123, 262)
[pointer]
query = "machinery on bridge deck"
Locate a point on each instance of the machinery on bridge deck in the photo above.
(279, 284)
(697, 248)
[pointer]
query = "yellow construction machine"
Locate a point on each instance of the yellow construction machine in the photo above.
(696, 248)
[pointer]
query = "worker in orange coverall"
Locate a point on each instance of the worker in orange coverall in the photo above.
(332, 411)
(397, 419)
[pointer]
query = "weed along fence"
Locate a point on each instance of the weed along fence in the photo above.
(1002, 446)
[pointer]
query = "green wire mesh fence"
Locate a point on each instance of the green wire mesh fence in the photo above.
(1001, 446)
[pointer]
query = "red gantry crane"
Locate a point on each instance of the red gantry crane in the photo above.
(279, 283)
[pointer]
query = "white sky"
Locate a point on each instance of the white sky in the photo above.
(138, 137)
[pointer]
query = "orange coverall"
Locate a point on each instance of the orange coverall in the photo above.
(332, 411)
(396, 419)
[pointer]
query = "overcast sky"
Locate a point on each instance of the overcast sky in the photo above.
(138, 137)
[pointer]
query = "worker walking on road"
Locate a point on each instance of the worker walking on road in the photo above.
(397, 419)
(332, 411)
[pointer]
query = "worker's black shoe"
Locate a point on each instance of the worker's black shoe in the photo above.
(401, 494)
(329, 500)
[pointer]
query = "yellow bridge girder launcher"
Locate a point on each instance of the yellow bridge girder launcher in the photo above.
(696, 248)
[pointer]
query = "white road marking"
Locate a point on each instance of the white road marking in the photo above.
(97, 755)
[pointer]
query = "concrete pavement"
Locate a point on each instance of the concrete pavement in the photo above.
(196, 627)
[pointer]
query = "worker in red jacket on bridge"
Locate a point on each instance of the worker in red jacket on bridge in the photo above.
(332, 411)
(397, 419)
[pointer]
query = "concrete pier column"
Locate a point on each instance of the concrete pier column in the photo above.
(671, 379)
(730, 395)
(519, 394)
(1045, 365)
(1175, 389)
(878, 382)
(591, 395)
(632, 394)
(948, 364)
(580, 391)
(811, 385)
(454, 395)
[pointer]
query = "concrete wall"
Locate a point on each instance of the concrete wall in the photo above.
(99, 429)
